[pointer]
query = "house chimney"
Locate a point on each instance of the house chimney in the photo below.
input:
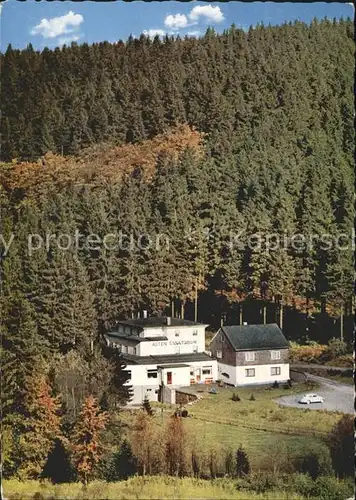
(144, 314)
(169, 321)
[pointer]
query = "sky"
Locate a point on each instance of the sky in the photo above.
(52, 24)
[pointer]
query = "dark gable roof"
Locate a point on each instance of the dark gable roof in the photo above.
(172, 359)
(157, 321)
(116, 336)
(255, 337)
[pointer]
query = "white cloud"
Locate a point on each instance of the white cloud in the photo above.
(176, 21)
(153, 32)
(209, 12)
(352, 5)
(1, 5)
(66, 40)
(50, 28)
(194, 33)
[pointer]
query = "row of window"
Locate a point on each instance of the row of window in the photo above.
(177, 333)
(152, 373)
(251, 372)
(250, 355)
(125, 349)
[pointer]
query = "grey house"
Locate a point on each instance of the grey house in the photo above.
(251, 354)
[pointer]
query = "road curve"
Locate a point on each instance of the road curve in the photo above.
(338, 397)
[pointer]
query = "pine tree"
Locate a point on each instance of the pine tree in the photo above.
(242, 463)
(123, 463)
(58, 467)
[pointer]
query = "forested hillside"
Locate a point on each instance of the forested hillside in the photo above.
(243, 133)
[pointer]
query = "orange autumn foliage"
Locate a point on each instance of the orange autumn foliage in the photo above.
(41, 426)
(98, 165)
(86, 442)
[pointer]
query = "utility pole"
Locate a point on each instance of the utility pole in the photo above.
(172, 304)
(342, 325)
(240, 310)
(281, 316)
(264, 314)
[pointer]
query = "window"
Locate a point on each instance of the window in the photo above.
(206, 370)
(218, 354)
(225, 375)
(249, 356)
(134, 350)
(275, 354)
(151, 373)
(275, 370)
(250, 372)
(191, 373)
(195, 332)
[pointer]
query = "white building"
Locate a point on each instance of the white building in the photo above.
(251, 354)
(162, 351)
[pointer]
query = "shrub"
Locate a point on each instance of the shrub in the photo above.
(344, 361)
(341, 446)
(308, 353)
(275, 385)
(336, 347)
(146, 405)
(315, 463)
(196, 466)
(303, 484)
(330, 488)
(230, 465)
(252, 398)
(235, 397)
(242, 463)
(263, 482)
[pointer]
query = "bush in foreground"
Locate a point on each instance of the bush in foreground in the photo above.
(269, 486)
(315, 463)
(341, 445)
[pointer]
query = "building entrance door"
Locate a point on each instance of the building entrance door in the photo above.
(169, 378)
(198, 374)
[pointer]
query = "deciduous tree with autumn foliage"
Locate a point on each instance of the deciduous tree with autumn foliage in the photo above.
(86, 439)
(39, 428)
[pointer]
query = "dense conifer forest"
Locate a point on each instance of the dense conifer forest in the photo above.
(185, 148)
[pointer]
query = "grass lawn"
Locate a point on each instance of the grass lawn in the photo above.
(264, 412)
(137, 488)
(268, 432)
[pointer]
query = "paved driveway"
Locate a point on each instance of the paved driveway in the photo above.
(338, 397)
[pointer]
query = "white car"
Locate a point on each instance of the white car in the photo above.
(311, 398)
